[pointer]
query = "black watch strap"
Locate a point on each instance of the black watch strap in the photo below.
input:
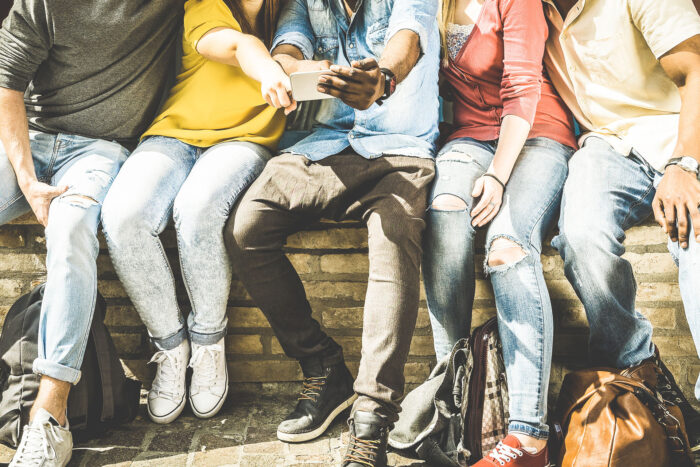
(389, 85)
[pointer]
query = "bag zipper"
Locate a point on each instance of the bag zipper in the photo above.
(477, 386)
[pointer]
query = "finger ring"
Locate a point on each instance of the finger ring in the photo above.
(492, 204)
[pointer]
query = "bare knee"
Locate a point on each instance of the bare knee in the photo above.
(447, 202)
(504, 251)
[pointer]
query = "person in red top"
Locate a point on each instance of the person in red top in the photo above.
(502, 169)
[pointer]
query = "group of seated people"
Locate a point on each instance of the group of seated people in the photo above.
(585, 112)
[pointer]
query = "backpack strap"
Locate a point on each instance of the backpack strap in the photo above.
(103, 353)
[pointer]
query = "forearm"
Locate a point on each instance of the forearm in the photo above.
(401, 54)
(288, 57)
(513, 135)
(254, 59)
(688, 135)
(14, 134)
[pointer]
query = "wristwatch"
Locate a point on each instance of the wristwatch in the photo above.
(687, 163)
(389, 85)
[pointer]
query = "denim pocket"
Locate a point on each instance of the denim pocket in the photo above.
(376, 35)
(327, 46)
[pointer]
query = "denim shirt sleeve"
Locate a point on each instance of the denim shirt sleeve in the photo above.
(294, 28)
(419, 16)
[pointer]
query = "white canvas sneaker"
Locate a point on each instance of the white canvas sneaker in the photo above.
(44, 443)
(209, 385)
(166, 399)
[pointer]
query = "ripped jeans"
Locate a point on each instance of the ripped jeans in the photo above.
(530, 205)
(88, 167)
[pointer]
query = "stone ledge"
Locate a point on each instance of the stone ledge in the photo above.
(331, 259)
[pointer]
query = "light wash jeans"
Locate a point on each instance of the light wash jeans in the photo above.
(199, 186)
(607, 193)
(87, 166)
(525, 322)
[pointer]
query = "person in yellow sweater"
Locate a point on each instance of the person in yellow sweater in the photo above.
(221, 124)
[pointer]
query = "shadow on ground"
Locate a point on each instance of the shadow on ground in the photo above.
(243, 434)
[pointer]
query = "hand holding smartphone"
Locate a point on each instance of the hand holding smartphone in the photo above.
(305, 84)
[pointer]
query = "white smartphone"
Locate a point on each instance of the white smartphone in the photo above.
(304, 85)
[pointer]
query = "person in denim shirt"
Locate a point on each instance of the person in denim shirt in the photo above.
(320, 33)
(370, 158)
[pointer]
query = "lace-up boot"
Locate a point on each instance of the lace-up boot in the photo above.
(509, 452)
(669, 390)
(166, 399)
(209, 385)
(44, 443)
(327, 391)
(367, 446)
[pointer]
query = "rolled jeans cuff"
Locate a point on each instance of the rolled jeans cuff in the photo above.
(170, 342)
(206, 339)
(535, 431)
(56, 371)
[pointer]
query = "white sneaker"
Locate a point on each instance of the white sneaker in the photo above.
(209, 385)
(166, 399)
(44, 443)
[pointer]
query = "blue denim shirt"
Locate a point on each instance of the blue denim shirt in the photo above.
(407, 123)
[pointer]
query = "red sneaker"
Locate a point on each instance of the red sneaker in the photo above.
(510, 452)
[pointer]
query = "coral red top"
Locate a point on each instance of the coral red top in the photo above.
(499, 72)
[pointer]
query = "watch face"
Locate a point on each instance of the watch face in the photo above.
(689, 163)
(392, 85)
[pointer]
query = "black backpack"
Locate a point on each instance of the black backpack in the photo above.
(104, 396)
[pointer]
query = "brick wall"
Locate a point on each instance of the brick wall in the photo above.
(332, 261)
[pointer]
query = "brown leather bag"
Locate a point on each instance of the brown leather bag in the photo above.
(612, 418)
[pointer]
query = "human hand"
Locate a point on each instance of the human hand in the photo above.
(491, 194)
(677, 196)
(277, 90)
(359, 85)
(39, 196)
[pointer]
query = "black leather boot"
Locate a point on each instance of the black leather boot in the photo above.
(327, 392)
(669, 390)
(367, 446)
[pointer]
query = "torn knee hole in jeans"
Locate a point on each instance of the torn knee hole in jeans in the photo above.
(77, 200)
(457, 153)
(448, 202)
(503, 253)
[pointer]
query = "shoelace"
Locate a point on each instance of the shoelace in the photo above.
(504, 453)
(35, 446)
(166, 379)
(362, 451)
(312, 387)
(205, 367)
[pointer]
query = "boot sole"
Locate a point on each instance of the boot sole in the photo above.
(165, 419)
(308, 436)
(216, 408)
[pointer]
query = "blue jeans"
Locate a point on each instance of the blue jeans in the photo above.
(199, 187)
(606, 194)
(525, 322)
(87, 166)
